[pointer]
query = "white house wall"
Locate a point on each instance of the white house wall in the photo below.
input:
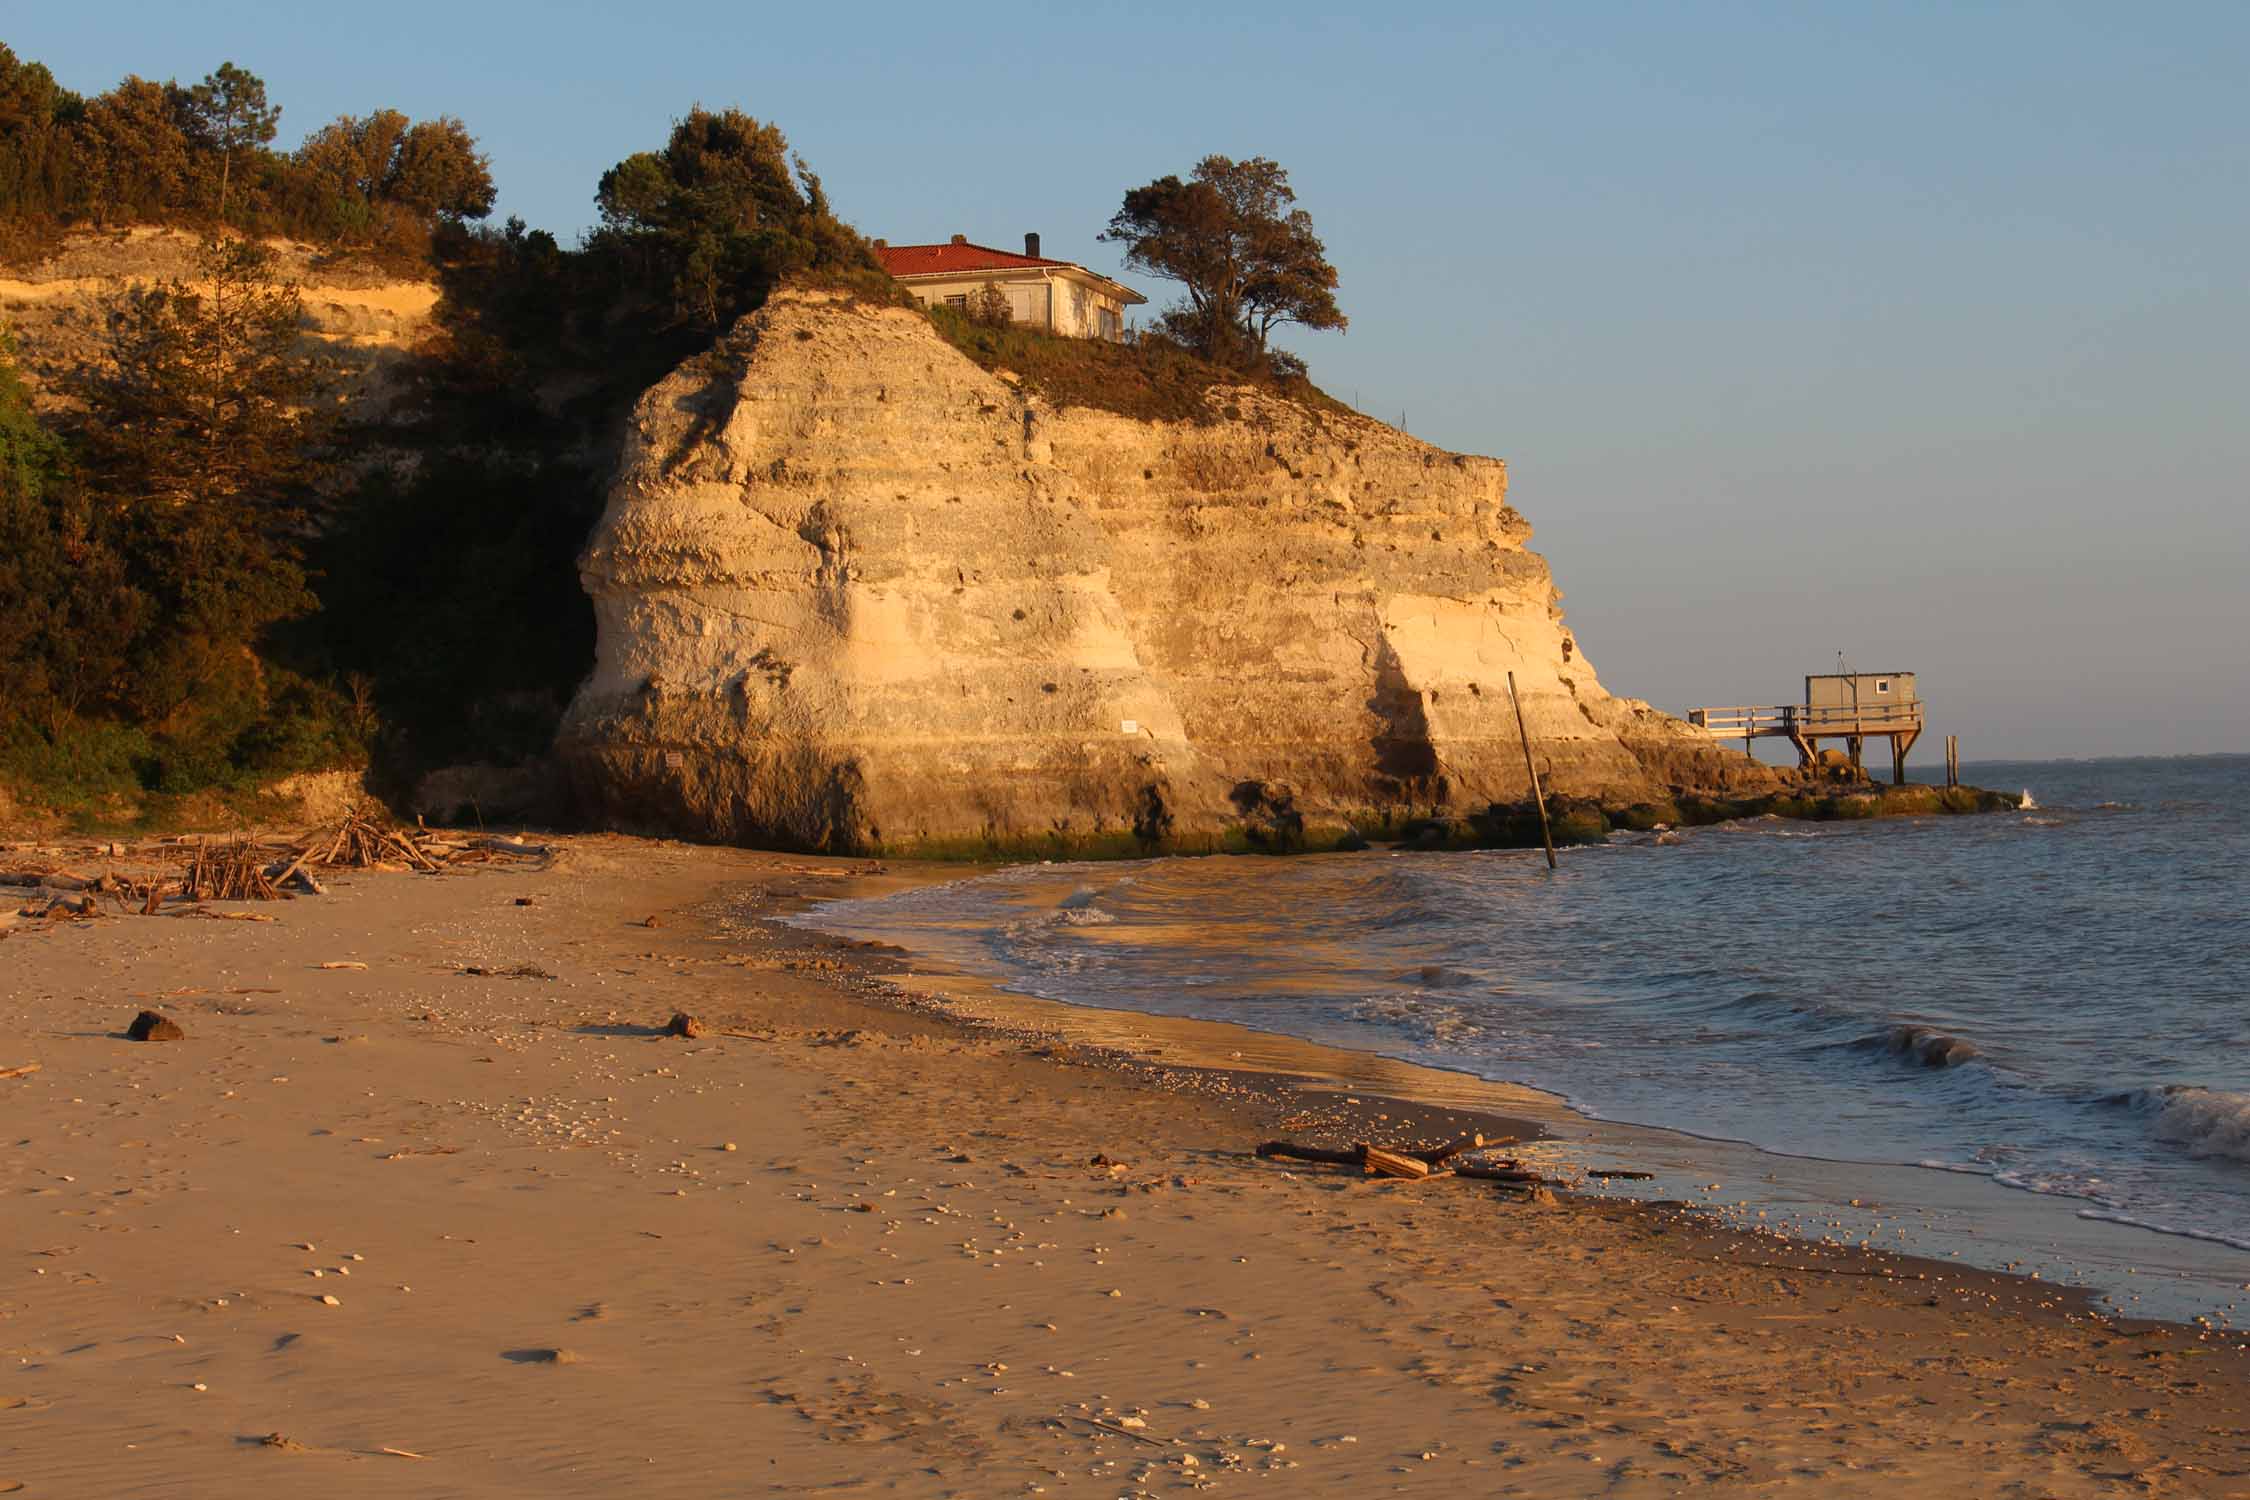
(1076, 307)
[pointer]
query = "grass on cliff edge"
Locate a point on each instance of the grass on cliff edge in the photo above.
(1152, 380)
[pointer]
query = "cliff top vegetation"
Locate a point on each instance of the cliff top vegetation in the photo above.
(1154, 378)
(200, 155)
(1247, 262)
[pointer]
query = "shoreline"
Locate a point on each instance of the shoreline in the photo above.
(2053, 1240)
(841, 1243)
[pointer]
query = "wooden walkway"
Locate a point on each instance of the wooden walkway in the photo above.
(1805, 728)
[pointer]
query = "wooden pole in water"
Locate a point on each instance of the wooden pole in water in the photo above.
(1538, 798)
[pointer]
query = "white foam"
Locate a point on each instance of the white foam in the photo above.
(2209, 1236)
(2029, 802)
(2208, 1122)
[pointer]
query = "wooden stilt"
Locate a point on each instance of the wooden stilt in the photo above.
(1538, 798)
(1902, 740)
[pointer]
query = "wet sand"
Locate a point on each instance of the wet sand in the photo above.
(404, 1230)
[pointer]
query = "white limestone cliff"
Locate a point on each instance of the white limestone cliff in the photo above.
(856, 593)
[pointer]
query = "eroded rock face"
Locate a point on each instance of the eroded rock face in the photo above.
(856, 593)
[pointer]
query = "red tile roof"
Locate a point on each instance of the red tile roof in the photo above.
(923, 260)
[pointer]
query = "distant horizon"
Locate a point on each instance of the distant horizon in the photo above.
(1914, 332)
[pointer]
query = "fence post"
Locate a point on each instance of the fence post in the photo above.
(1538, 798)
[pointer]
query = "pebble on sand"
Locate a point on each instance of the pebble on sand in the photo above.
(683, 1024)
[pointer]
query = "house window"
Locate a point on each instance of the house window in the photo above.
(958, 302)
(1882, 684)
(1106, 319)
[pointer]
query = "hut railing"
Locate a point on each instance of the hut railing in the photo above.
(1741, 721)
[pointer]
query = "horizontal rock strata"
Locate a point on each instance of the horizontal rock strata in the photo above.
(856, 593)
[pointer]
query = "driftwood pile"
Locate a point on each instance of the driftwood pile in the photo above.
(233, 871)
(1462, 1158)
(243, 868)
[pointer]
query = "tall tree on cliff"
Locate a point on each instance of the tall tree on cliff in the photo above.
(227, 112)
(1247, 257)
(719, 216)
(200, 438)
(66, 609)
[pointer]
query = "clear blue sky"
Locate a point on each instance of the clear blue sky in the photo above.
(1918, 331)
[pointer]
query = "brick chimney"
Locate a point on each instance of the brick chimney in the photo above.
(959, 239)
(1031, 246)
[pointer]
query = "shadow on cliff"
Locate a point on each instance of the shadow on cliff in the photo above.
(1406, 761)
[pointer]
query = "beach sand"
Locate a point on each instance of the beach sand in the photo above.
(406, 1231)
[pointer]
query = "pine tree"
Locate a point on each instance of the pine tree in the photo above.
(202, 437)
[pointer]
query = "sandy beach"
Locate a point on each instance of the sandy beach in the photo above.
(410, 1230)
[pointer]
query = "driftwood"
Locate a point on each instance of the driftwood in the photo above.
(234, 871)
(1381, 1163)
(1420, 1163)
(21, 1070)
(241, 868)
(1294, 1152)
(1439, 1155)
(1506, 1172)
(1428, 1156)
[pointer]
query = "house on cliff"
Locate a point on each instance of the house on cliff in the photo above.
(1058, 295)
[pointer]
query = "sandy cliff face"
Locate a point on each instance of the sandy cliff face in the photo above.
(856, 593)
(57, 310)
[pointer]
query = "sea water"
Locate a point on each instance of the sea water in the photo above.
(2057, 999)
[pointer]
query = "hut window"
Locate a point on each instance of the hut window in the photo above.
(1882, 684)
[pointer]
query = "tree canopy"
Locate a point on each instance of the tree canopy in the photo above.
(1244, 254)
(723, 212)
(160, 153)
(227, 112)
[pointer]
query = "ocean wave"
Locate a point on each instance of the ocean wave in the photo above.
(1060, 916)
(1926, 1045)
(1429, 1023)
(2208, 1122)
(2028, 802)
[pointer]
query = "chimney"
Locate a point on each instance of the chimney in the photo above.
(960, 239)
(1031, 246)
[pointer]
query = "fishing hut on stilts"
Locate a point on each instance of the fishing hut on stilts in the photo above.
(1854, 707)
